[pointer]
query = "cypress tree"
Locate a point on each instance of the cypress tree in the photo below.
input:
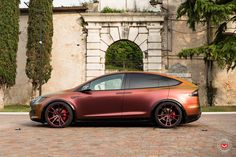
(9, 37)
(39, 45)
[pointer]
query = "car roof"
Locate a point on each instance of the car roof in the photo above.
(141, 72)
(154, 73)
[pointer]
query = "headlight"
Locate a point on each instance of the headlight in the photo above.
(38, 99)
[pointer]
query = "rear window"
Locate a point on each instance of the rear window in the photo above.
(165, 81)
(149, 81)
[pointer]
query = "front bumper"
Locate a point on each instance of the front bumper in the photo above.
(35, 112)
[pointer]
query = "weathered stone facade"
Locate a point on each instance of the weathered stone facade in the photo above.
(68, 58)
(79, 48)
(105, 29)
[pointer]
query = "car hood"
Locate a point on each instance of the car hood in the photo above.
(58, 93)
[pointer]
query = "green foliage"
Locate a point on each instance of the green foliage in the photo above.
(218, 12)
(202, 10)
(9, 37)
(223, 52)
(38, 67)
(124, 55)
(110, 10)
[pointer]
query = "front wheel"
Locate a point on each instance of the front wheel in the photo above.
(58, 115)
(168, 115)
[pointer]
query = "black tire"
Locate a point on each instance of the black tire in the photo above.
(168, 115)
(58, 115)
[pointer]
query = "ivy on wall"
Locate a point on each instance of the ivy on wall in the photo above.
(39, 45)
(9, 37)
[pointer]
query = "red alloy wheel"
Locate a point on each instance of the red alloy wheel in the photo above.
(58, 115)
(168, 115)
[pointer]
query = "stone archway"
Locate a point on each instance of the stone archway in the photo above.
(103, 29)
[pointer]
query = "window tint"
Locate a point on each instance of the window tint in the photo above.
(112, 82)
(165, 81)
(150, 81)
(142, 81)
(85, 87)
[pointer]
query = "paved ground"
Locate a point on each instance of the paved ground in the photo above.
(21, 137)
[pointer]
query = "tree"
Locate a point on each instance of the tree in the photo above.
(124, 55)
(220, 48)
(9, 37)
(39, 45)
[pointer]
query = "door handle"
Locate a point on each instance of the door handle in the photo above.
(120, 93)
(123, 92)
(127, 92)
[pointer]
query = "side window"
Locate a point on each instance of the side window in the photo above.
(85, 87)
(165, 81)
(150, 81)
(142, 81)
(111, 82)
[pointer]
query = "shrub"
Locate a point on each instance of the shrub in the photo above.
(40, 25)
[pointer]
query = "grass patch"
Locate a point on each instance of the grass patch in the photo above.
(218, 108)
(16, 108)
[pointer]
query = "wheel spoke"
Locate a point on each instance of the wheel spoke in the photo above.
(53, 117)
(61, 119)
(56, 118)
(166, 122)
(163, 118)
(53, 110)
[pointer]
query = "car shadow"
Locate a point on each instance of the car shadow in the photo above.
(113, 124)
(102, 124)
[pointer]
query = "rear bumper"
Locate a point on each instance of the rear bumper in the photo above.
(192, 118)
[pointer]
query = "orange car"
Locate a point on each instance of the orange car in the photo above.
(167, 100)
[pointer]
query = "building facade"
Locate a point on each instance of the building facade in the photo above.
(81, 39)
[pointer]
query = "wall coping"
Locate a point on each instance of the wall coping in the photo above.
(123, 17)
(77, 9)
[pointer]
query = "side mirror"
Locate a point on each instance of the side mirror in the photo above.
(87, 91)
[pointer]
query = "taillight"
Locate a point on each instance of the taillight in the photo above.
(195, 93)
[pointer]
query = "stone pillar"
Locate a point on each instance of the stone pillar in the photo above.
(94, 66)
(154, 48)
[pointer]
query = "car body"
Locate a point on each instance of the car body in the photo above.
(167, 100)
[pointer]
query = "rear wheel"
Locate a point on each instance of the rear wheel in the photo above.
(58, 115)
(168, 115)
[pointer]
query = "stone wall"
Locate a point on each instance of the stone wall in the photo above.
(68, 53)
(68, 61)
(177, 36)
(76, 58)
(225, 84)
